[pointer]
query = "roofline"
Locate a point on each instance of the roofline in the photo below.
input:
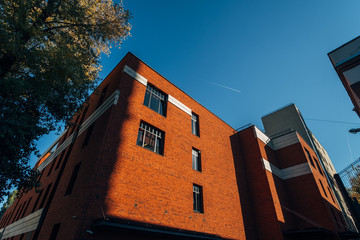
(343, 45)
(278, 109)
(174, 86)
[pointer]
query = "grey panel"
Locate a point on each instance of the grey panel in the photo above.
(24, 225)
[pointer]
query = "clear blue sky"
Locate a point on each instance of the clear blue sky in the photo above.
(244, 59)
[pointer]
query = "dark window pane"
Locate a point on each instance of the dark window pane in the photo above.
(140, 137)
(197, 198)
(149, 141)
(322, 186)
(150, 138)
(37, 200)
(154, 103)
(196, 160)
(54, 231)
(72, 179)
(155, 100)
(147, 99)
(23, 214)
(45, 195)
(331, 194)
(310, 159)
(102, 96)
(162, 107)
(88, 134)
(195, 124)
(158, 145)
(318, 165)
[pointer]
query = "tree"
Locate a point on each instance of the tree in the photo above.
(49, 61)
(11, 198)
(354, 180)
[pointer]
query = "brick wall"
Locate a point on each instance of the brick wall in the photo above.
(115, 179)
(119, 179)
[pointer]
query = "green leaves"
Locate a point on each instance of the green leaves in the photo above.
(11, 198)
(49, 61)
(354, 180)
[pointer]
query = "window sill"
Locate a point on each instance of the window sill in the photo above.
(150, 151)
(155, 111)
(198, 212)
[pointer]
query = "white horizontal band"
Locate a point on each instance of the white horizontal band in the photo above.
(112, 100)
(144, 81)
(23, 225)
(180, 105)
(286, 173)
(260, 135)
(135, 75)
(285, 140)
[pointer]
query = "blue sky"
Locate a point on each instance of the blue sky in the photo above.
(244, 59)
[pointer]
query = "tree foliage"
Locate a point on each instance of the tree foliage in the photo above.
(49, 60)
(11, 198)
(354, 191)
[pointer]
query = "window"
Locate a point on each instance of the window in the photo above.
(330, 192)
(37, 200)
(151, 138)
(195, 124)
(318, 165)
(17, 213)
(52, 166)
(60, 159)
(198, 199)
(88, 134)
(155, 99)
(322, 186)
(309, 157)
(72, 179)
(23, 214)
(74, 124)
(91, 128)
(21, 211)
(196, 160)
(45, 195)
(54, 231)
(102, 96)
(6, 220)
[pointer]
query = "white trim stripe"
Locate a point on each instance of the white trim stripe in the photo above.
(287, 173)
(260, 135)
(271, 168)
(135, 75)
(144, 81)
(52, 145)
(111, 100)
(285, 140)
(295, 171)
(179, 104)
(23, 225)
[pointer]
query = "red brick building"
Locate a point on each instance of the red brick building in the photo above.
(143, 160)
(346, 61)
(283, 188)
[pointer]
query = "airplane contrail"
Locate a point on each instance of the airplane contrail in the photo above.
(223, 86)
